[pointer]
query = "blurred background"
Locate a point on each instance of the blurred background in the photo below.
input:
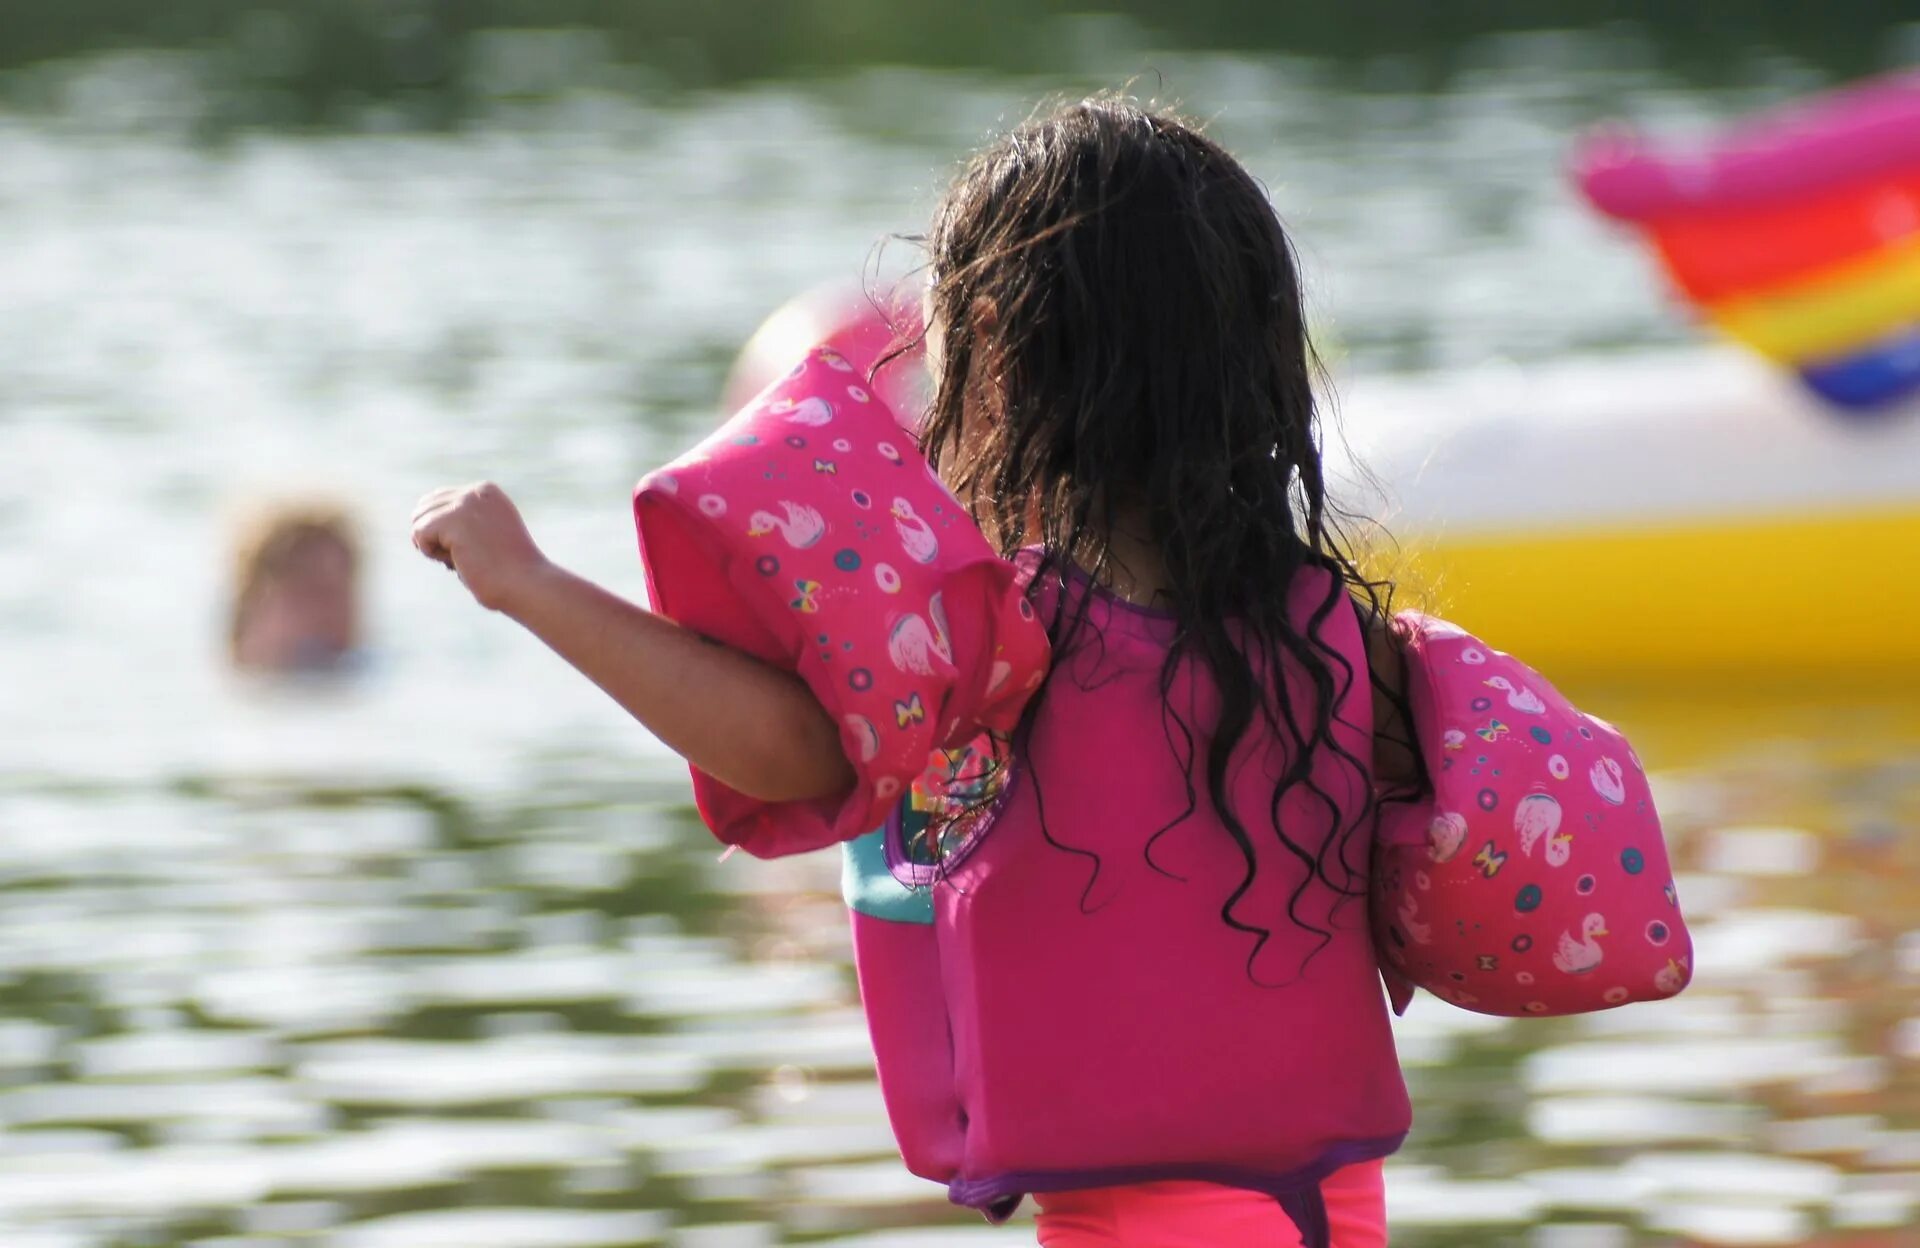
(427, 949)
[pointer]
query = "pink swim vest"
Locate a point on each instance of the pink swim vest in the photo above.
(1057, 1002)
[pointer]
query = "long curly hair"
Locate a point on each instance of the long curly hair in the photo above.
(1118, 335)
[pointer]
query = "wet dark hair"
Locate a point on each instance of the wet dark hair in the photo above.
(1122, 336)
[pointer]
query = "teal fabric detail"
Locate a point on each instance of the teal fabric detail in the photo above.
(869, 887)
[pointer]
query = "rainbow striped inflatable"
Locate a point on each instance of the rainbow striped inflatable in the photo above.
(1797, 234)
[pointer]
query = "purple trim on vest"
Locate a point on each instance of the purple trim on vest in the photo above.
(1297, 1191)
(1081, 575)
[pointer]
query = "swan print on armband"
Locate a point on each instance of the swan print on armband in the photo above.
(1537, 816)
(1520, 698)
(916, 535)
(1419, 933)
(1609, 781)
(802, 526)
(916, 640)
(866, 734)
(1577, 957)
(1445, 835)
(812, 410)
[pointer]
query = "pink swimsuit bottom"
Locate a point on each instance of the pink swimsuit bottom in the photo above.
(1207, 1215)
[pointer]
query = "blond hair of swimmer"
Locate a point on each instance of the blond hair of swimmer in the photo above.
(296, 595)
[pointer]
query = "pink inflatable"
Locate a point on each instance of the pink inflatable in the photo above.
(809, 532)
(1534, 880)
(1797, 234)
(1848, 136)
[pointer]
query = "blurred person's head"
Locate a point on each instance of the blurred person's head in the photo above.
(296, 601)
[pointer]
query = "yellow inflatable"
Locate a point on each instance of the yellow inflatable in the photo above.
(1646, 519)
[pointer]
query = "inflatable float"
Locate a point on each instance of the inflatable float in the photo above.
(1537, 840)
(809, 532)
(1797, 233)
(1659, 518)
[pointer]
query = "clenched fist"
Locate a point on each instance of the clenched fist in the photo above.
(477, 531)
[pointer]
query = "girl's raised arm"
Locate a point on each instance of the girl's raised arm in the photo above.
(754, 728)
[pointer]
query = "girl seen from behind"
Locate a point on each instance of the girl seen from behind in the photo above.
(1148, 900)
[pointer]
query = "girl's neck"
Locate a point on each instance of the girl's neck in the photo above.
(1135, 570)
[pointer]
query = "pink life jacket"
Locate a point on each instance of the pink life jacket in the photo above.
(1057, 1001)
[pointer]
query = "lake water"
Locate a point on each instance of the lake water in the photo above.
(439, 956)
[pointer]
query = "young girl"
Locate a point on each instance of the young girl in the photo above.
(1124, 399)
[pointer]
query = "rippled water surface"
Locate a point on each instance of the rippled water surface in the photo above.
(438, 955)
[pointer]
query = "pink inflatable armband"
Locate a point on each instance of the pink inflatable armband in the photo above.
(1533, 880)
(809, 532)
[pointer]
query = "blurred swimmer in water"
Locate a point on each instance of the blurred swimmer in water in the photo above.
(296, 595)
